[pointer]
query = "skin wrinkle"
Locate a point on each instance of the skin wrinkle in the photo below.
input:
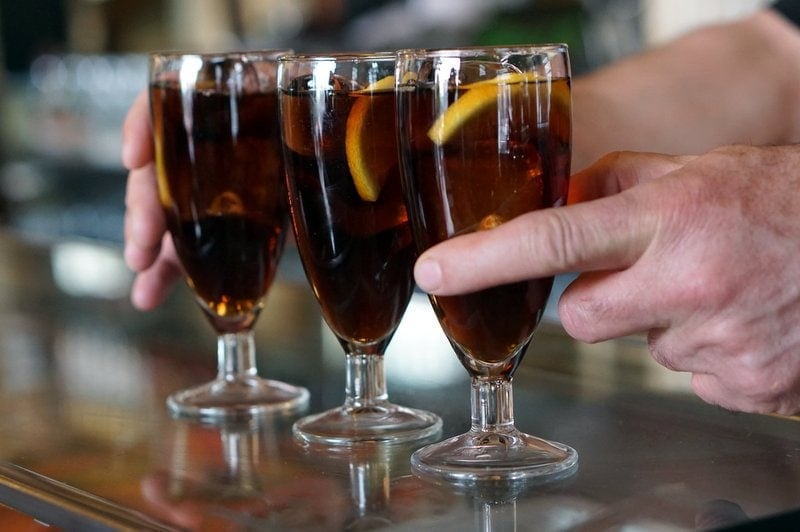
(783, 207)
(555, 239)
(754, 382)
(715, 391)
(581, 312)
(661, 354)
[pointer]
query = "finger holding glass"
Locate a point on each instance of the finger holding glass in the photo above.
(352, 231)
(220, 182)
(485, 137)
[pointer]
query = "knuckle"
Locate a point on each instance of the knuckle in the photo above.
(766, 387)
(582, 317)
(710, 288)
(755, 384)
(660, 352)
(707, 387)
(553, 243)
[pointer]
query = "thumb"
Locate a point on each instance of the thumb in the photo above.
(605, 234)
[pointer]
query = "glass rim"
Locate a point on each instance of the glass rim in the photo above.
(272, 54)
(338, 56)
(471, 51)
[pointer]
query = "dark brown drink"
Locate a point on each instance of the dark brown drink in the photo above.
(357, 251)
(352, 231)
(497, 164)
(221, 185)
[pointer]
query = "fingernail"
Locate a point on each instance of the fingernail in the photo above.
(428, 275)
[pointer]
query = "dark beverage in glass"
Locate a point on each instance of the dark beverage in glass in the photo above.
(485, 137)
(352, 232)
(357, 252)
(220, 182)
(488, 172)
(224, 195)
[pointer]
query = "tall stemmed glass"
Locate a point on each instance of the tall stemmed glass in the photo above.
(352, 231)
(220, 182)
(485, 137)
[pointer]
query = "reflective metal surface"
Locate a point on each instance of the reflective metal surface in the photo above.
(86, 442)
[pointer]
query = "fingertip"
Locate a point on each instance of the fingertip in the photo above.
(137, 258)
(428, 274)
(140, 297)
(148, 291)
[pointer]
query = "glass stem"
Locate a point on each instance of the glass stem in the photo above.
(365, 381)
(491, 405)
(241, 454)
(236, 356)
(494, 516)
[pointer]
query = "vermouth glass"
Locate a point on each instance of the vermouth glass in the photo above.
(352, 231)
(485, 137)
(220, 181)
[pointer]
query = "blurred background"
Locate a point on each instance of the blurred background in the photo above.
(70, 69)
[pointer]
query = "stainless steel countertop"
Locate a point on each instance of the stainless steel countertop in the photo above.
(86, 442)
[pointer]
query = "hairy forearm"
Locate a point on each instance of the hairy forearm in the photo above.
(733, 83)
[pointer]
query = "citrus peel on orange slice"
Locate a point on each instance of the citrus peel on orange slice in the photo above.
(368, 158)
(478, 96)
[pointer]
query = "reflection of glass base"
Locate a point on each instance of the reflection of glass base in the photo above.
(385, 422)
(222, 399)
(477, 457)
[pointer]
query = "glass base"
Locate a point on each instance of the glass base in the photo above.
(226, 400)
(510, 456)
(385, 422)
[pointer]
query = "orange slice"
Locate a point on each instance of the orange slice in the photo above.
(370, 152)
(479, 96)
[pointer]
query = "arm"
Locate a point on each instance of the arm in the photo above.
(732, 83)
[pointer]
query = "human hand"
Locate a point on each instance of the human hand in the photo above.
(702, 253)
(148, 247)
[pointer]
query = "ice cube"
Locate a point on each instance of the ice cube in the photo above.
(317, 82)
(341, 84)
(472, 71)
(244, 77)
(234, 76)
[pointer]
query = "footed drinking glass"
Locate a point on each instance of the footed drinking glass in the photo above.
(220, 182)
(485, 137)
(352, 231)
